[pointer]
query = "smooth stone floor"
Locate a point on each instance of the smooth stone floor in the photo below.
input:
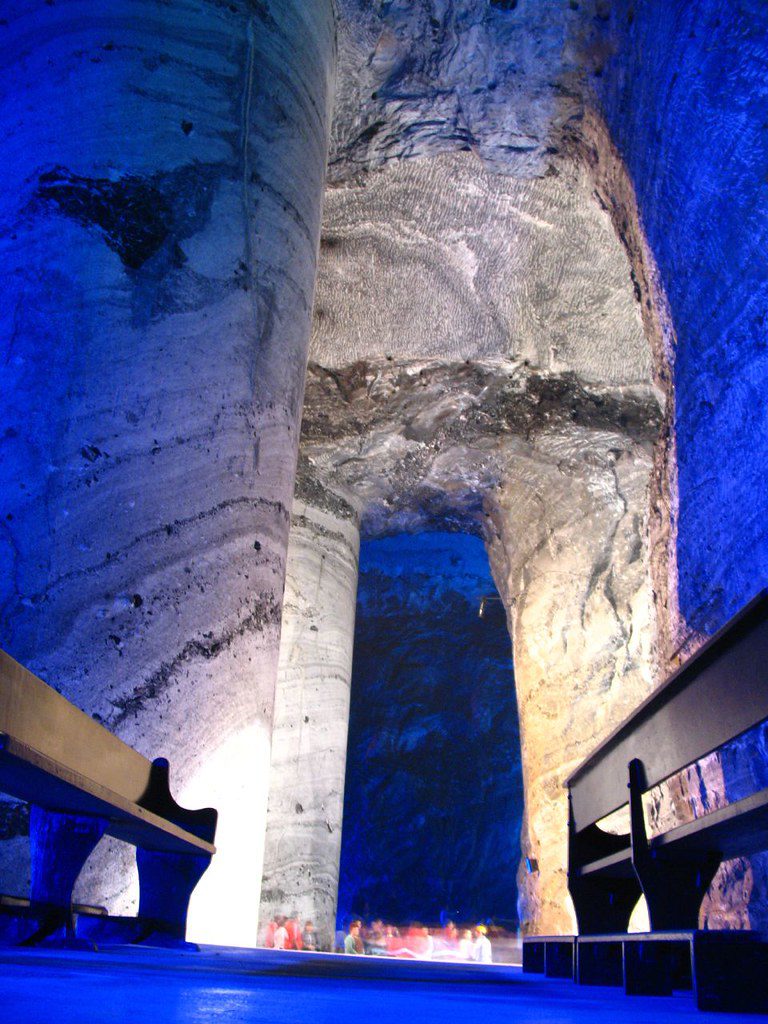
(149, 986)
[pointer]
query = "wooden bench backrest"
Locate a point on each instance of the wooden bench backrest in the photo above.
(719, 693)
(36, 715)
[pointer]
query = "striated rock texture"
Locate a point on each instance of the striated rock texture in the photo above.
(309, 735)
(158, 261)
(482, 362)
(433, 794)
(439, 259)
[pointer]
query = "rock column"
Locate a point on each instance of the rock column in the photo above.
(164, 170)
(309, 744)
(570, 557)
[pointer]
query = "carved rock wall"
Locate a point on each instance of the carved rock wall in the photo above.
(439, 259)
(569, 552)
(683, 91)
(684, 94)
(158, 262)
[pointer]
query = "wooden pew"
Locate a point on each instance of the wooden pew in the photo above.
(716, 696)
(82, 783)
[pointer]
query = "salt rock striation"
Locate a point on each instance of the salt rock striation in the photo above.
(309, 735)
(158, 261)
(554, 476)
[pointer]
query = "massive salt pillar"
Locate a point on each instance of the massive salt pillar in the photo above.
(309, 742)
(163, 174)
(569, 553)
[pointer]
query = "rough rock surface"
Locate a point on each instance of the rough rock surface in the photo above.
(433, 795)
(309, 733)
(569, 553)
(685, 96)
(423, 77)
(158, 257)
(438, 259)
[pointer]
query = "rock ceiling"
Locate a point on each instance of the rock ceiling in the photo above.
(474, 303)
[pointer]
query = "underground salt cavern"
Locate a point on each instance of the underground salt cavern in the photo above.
(324, 323)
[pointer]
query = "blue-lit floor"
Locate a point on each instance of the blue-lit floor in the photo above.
(143, 986)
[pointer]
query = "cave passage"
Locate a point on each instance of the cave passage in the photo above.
(433, 797)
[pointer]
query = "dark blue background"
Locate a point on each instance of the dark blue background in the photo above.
(433, 798)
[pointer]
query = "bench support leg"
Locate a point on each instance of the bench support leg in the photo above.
(604, 905)
(166, 882)
(60, 845)
(673, 889)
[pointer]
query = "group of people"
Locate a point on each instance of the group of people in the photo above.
(416, 942)
(284, 932)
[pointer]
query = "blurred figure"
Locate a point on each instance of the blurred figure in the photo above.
(353, 943)
(376, 943)
(281, 935)
(269, 934)
(293, 940)
(481, 950)
(466, 946)
(446, 942)
(309, 937)
(392, 940)
(417, 942)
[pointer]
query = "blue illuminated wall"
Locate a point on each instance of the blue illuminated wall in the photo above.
(685, 95)
(433, 797)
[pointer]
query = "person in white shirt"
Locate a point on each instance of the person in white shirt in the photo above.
(281, 934)
(481, 950)
(466, 946)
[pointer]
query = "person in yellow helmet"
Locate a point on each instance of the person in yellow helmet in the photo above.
(481, 950)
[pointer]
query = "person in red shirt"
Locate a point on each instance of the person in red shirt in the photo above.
(294, 940)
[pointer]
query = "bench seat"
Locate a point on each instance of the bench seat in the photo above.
(716, 696)
(82, 782)
(30, 775)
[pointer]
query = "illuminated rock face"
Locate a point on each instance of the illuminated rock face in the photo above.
(553, 467)
(570, 558)
(159, 248)
(309, 737)
(685, 96)
(543, 214)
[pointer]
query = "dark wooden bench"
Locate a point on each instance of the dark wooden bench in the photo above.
(82, 783)
(716, 696)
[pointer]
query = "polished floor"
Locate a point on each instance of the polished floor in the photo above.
(130, 985)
